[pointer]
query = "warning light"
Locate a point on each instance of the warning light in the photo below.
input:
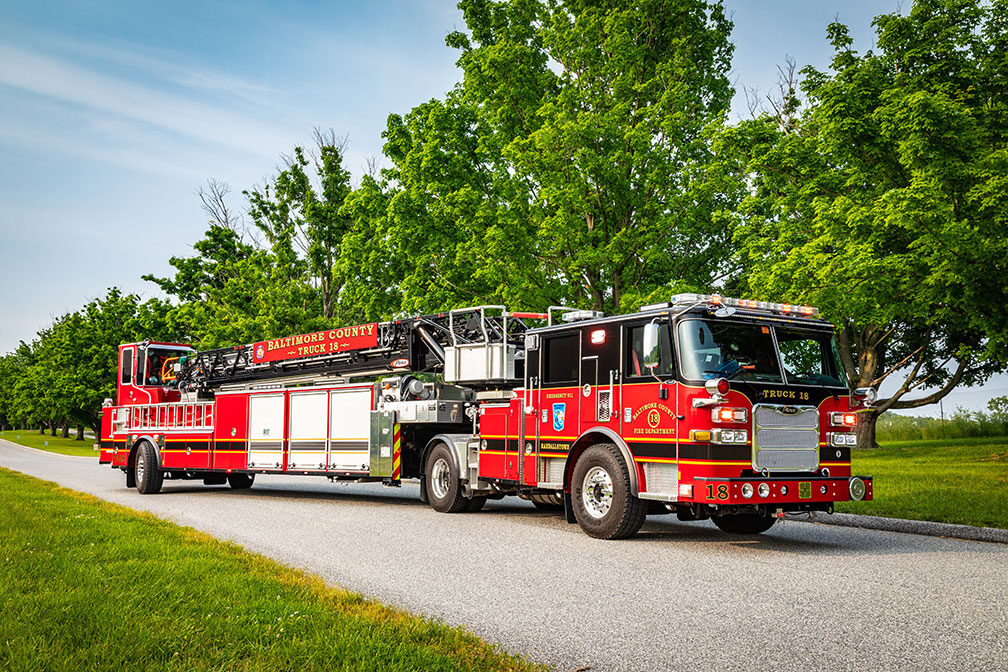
(842, 419)
(726, 414)
(598, 337)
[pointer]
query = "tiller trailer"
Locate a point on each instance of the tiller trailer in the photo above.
(706, 406)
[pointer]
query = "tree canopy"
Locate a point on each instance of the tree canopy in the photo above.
(564, 167)
(585, 159)
(884, 202)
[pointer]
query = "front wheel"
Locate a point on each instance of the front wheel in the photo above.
(604, 505)
(744, 523)
(444, 489)
(148, 475)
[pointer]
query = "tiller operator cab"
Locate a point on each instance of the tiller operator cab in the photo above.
(147, 372)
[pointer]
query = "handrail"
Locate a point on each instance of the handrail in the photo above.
(168, 416)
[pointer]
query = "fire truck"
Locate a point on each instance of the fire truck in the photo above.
(707, 406)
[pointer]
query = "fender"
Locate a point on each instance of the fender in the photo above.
(590, 437)
(458, 452)
(131, 460)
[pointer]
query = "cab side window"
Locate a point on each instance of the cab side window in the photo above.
(127, 367)
(633, 356)
(562, 354)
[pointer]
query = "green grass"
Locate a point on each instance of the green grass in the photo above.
(33, 439)
(92, 585)
(961, 481)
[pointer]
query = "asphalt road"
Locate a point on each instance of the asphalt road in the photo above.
(679, 596)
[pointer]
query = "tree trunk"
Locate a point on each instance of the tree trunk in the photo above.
(865, 429)
(66, 430)
(52, 429)
(41, 429)
(80, 432)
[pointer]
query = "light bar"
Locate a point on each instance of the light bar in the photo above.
(718, 300)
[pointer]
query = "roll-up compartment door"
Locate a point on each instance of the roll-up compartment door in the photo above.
(266, 431)
(349, 429)
(308, 431)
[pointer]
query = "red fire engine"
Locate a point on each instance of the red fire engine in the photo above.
(711, 407)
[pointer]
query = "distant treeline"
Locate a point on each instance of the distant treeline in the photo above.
(961, 424)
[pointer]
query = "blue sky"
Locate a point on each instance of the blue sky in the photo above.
(112, 114)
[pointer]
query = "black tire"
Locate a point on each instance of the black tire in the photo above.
(744, 523)
(475, 504)
(149, 476)
(603, 503)
(240, 481)
(444, 489)
(552, 501)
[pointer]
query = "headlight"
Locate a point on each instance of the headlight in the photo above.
(747, 490)
(764, 490)
(857, 489)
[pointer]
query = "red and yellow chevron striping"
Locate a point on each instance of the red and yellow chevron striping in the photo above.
(396, 445)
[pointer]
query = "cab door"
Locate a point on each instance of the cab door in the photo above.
(589, 391)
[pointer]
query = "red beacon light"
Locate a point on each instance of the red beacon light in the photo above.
(598, 337)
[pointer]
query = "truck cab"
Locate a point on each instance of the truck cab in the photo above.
(146, 372)
(712, 407)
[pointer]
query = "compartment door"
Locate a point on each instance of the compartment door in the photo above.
(350, 429)
(309, 416)
(266, 431)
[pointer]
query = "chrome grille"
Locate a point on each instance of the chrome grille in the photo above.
(786, 438)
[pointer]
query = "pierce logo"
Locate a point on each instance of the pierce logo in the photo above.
(260, 351)
(400, 363)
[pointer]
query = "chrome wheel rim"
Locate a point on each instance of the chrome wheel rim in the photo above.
(440, 475)
(140, 466)
(597, 492)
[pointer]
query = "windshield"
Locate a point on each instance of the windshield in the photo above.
(809, 358)
(720, 349)
(155, 365)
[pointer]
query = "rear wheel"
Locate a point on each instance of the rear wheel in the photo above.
(148, 475)
(444, 490)
(744, 523)
(604, 505)
(240, 481)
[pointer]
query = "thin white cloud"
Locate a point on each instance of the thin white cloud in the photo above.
(167, 65)
(65, 81)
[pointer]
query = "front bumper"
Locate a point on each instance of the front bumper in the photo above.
(779, 491)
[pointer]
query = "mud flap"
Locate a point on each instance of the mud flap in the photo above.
(569, 508)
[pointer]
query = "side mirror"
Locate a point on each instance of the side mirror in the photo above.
(652, 345)
(866, 395)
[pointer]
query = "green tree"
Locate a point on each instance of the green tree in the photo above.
(884, 203)
(300, 215)
(565, 166)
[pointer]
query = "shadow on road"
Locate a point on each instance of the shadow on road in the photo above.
(788, 537)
